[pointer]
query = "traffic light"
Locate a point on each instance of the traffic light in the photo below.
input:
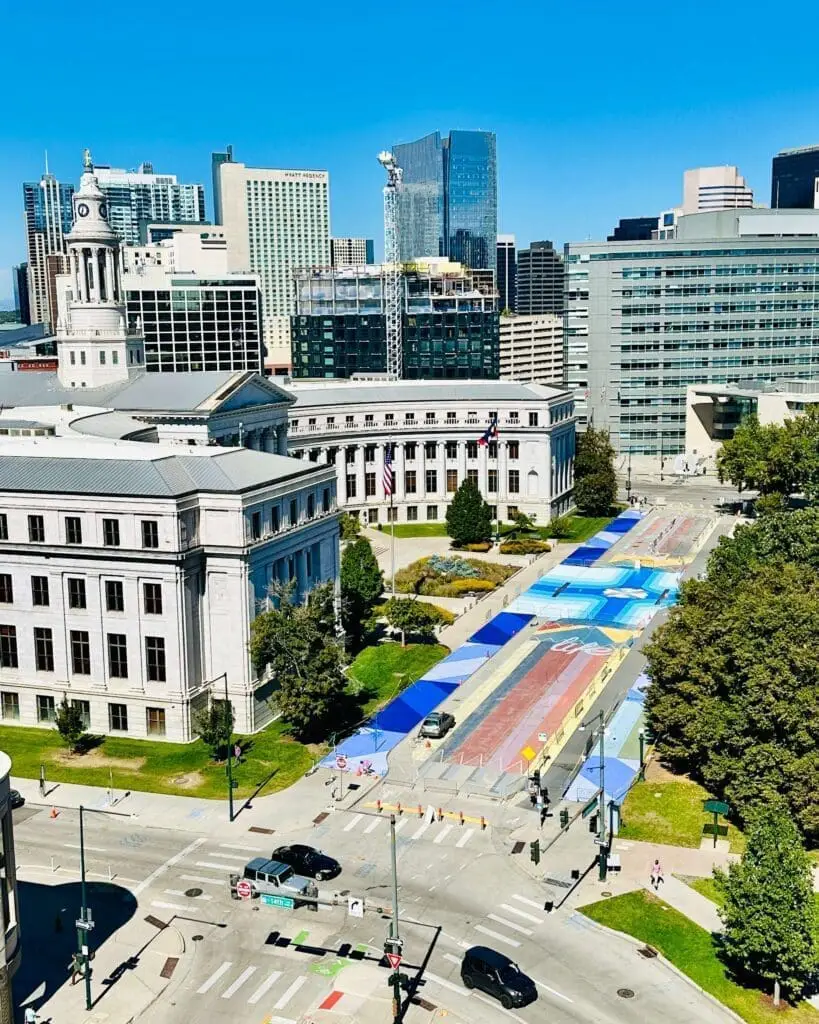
(593, 823)
(534, 851)
(564, 818)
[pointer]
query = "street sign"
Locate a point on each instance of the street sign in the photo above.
(278, 901)
(716, 807)
(542, 737)
(341, 762)
(355, 906)
(244, 890)
(394, 960)
(590, 806)
(599, 842)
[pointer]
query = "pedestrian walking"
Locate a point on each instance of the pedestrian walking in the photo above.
(31, 1016)
(656, 874)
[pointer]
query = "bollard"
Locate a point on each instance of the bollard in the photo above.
(378, 806)
(110, 876)
(440, 814)
(483, 823)
(420, 811)
(54, 812)
(461, 814)
(398, 809)
(52, 865)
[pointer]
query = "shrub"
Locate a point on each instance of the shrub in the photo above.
(561, 528)
(457, 588)
(484, 545)
(524, 547)
(435, 575)
(451, 565)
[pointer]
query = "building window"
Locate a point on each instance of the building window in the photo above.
(409, 451)
(110, 533)
(152, 598)
(392, 514)
(10, 705)
(511, 512)
(451, 481)
(46, 710)
(493, 449)
(4, 526)
(431, 481)
(369, 453)
(155, 721)
(472, 449)
(43, 649)
(430, 449)
(118, 717)
(432, 512)
(409, 417)
(155, 658)
(451, 417)
(8, 646)
(80, 653)
(369, 485)
(430, 417)
(513, 449)
(255, 525)
(39, 591)
(84, 708)
(294, 512)
(311, 506)
(372, 517)
(410, 486)
(472, 476)
(274, 519)
(325, 500)
(492, 481)
(452, 449)
(114, 596)
(118, 655)
(349, 456)
(36, 529)
(412, 513)
(514, 481)
(73, 530)
(532, 419)
(76, 592)
(6, 588)
(513, 417)
(150, 533)
(351, 486)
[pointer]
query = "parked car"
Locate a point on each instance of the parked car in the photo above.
(436, 725)
(273, 878)
(307, 861)
(498, 976)
(16, 798)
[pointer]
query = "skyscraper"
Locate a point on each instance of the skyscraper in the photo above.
(48, 219)
(715, 188)
(507, 268)
(140, 196)
(633, 229)
(274, 220)
(448, 203)
(351, 252)
(795, 179)
(539, 280)
(19, 280)
(216, 161)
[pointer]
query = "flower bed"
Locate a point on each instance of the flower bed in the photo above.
(524, 547)
(451, 576)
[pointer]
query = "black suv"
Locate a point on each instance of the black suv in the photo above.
(498, 976)
(306, 861)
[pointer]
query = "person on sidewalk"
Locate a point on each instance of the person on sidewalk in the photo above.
(656, 874)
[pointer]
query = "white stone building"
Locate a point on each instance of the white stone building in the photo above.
(531, 349)
(433, 429)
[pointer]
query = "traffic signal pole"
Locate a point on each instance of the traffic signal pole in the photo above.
(396, 940)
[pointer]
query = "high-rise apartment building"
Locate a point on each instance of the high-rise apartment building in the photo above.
(795, 179)
(507, 268)
(19, 280)
(275, 221)
(539, 281)
(732, 299)
(531, 349)
(140, 196)
(448, 202)
(216, 161)
(48, 216)
(715, 188)
(351, 252)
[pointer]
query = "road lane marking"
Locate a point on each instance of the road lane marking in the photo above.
(211, 865)
(234, 988)
(496, 935)
(226, 856)
(530, 903)
(500, 1009)
(420, 831)
(203, 879)
(452, 958)
(353, 822)
(554, 992)
(173, 892)
(76, 846)
(400, 825)
(521, 913)
(265, 986)
(458, 942)
(171, 906)
(445, 983)
(286, 996)
(143, 885)
(510, 924)
(465, 838)
(217, 974)
(238, 846)
(443, 833)
(372, 826)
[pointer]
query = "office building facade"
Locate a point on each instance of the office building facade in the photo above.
(48, 215)
(276, 221)
(531, 348)
(733, 298)
(448, 201)
(539, 280)
(634, 229)
(506, 261)
(795, 179)
(706, 189)
(351, 252)
(139, 197)
(19, 283)
(450, 322)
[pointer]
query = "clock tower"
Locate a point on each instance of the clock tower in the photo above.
(94, 346)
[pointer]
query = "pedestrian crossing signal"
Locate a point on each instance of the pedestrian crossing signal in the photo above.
(534, 851)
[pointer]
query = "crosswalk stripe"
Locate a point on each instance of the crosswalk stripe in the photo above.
(173, 892)
(494, 1005)
(400, 825)
(444, 983)
(265, 986)
(352, 823)
(212, 866)
(443, 833)
(530, 903)
(452, 958)
(521, 913)
(510, 924)
(206, 986)
(420, 830)
(170, 906)
(225, 856)
(234, 988)
(372, 826)
(238, 846)
(203, 879)
(285, 997)
(496, 935)
(465, 838)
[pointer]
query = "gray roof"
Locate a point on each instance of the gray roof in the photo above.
(113, 425)
(427, 391)
(222, 470)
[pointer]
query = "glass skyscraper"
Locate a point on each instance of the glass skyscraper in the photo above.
(448, 203)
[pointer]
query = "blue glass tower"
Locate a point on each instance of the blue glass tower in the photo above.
(448, 204)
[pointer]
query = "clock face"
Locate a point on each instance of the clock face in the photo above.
(103, 211)
(82, 210)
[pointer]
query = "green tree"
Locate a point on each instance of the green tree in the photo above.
(468, 518)
(350, 526)
(214, 726)
(411, 616)
(768, 907)
(595, 482)
(774, 458)
(70, 724)
(362, 583)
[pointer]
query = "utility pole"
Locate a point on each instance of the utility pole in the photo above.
(395, 940)
(84, 923)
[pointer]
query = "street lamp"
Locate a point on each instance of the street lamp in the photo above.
(394, 939)
(628, 478)
(603, 858)
(229, 720)
(84, 923)
(642, 735)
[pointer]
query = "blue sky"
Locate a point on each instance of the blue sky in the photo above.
(598, 107)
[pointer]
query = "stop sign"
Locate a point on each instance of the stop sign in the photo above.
(243, 889)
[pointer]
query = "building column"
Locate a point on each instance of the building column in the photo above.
(341, 476)
(461, 462)
(483, 470)
(75, 273)
(110, 291)
(502, 473)
(281, 436)
(95, 275)
(83, 272)
(301, 574)
(399, 466)
(421, 475)
(360, 470)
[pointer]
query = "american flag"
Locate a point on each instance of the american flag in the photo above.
(387, 478)
(490, 434)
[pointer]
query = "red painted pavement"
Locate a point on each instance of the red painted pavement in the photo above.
(331, 1000)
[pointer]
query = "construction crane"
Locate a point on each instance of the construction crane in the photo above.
(392, 267)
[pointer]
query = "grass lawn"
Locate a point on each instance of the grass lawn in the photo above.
(670, 812)
(437, 529)
(690, 949)
(272, 760)
(386, 669)
(583, 527)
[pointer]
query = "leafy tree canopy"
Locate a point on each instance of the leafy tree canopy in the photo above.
(411, 616)
(595, 482)
(350, 526)
(214, 725)
(774, 458)
(70, 724)
(468, 518)
(362, 583)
